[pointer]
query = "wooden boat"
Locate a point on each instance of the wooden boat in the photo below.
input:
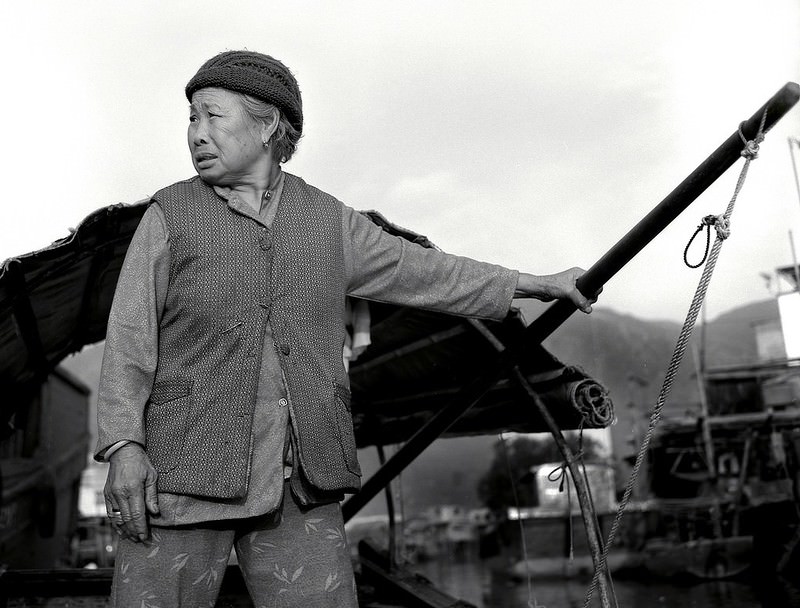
(425, 376)
(55, 301)
(724, 485)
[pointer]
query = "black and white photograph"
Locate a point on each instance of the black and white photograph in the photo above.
(400, 305)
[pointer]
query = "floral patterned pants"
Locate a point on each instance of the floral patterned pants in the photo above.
(296, 557)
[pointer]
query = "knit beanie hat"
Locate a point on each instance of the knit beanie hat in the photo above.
(254, 74)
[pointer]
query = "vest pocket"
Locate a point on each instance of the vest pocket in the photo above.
(344, 420)
(165, 422)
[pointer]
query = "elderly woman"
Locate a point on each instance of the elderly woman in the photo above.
(224, 401)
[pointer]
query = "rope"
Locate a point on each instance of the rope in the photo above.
(532, 601)
(750, 153)
(592, 402)
(561, 475)
(722, 227)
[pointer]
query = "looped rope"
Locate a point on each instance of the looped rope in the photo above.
(749, 153)
(723, 229)
(559, 474)
(592, 402)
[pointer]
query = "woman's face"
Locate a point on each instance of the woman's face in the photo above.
(225, 142)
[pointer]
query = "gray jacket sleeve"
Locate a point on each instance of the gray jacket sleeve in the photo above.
(385, 268)
(131, 350)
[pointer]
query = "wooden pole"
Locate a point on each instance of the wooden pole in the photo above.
(667, 210)
(594, 536)
(619, 255)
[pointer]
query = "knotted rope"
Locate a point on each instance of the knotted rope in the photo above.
(561, 475)
(722, 227)
(750, 153)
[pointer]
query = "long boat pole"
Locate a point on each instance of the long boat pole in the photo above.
(667, 210)
(594, 278)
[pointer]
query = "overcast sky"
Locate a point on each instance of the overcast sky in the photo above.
(532, 134)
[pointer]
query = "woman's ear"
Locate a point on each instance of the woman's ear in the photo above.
(268, 128)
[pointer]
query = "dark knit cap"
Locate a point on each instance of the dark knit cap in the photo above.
(253, 74)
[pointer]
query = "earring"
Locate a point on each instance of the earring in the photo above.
(265, 142)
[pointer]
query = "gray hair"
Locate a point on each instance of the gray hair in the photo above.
(285, 138)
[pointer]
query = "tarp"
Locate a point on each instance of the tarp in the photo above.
(56, 300)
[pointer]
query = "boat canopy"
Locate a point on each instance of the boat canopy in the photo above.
(55, 301)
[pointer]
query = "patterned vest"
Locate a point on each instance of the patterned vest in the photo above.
(229, 277)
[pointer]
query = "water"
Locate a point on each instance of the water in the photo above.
(473, 582)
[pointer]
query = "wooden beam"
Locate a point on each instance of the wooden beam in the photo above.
(667, 210)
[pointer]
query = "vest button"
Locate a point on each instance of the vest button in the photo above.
(282, 402)
(285, 349)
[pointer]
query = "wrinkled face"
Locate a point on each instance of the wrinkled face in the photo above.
(225, 142)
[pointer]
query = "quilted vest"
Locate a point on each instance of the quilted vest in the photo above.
(229, 277)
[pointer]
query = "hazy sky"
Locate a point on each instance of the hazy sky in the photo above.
(532, 134)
